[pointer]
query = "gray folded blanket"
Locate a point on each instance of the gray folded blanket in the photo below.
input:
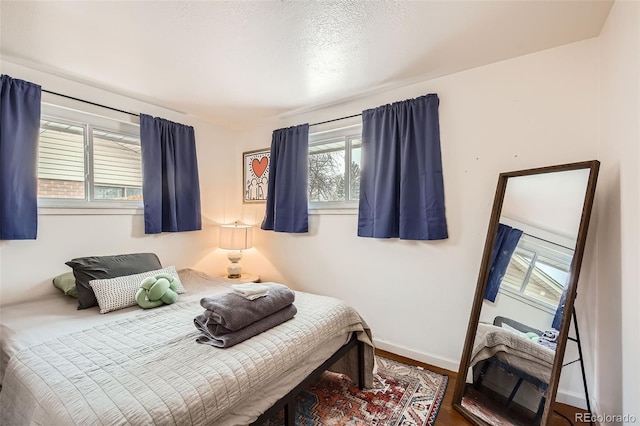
(549, 339)
(550, 335)
(548, 344)
(231, 312)
(208, 336)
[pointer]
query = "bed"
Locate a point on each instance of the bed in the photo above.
(510, 348)
(507, 349)
(59, 365)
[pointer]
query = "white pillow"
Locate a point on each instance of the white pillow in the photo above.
(120, 292)
(512, 329)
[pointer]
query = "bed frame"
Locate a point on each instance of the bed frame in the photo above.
(521, 375)
(288, 402)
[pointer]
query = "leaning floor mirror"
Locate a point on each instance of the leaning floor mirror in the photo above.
(519, 323)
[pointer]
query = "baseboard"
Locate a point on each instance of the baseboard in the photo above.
(595, 408)
(431, 359)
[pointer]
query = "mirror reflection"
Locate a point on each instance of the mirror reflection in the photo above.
(514, 348)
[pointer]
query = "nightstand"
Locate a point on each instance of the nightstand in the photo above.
(245, 278)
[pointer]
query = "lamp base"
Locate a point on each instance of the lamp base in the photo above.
(234, 270)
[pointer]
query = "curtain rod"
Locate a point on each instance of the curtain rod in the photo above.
(335, 119)
(91, 103)
(138, 115)
(547, 241)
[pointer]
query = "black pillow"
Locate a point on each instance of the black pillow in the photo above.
(90, 268)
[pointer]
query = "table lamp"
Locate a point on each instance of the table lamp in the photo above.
(235, 238)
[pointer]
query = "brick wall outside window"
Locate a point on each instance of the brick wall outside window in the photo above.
(55, 188)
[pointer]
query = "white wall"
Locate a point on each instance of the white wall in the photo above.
(510, 307)
(531, 111)
(618, 202)
(27, 267)
(549, 202)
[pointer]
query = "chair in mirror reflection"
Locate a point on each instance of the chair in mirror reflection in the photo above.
(517, 330)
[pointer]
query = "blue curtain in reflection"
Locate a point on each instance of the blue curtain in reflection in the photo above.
(505, 244)
(401, 184)
(557, 319)
(287, 194)
(170, 185)
(19, 134)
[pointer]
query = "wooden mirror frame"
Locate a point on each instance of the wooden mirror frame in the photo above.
(572, 283)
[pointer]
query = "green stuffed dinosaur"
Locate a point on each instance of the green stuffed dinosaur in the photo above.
(156, 290)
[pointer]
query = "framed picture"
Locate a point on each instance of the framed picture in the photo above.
(255, 175)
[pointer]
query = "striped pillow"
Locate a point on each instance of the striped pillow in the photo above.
(120, 292)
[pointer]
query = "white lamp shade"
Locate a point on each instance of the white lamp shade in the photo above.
(236, 237)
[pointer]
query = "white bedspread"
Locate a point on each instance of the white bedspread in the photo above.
(144, 367)
(26, 324)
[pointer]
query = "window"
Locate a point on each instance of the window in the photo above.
(334, 168)
(538, 271)
(88, 160)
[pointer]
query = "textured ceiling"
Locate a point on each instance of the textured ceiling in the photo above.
(234, 62)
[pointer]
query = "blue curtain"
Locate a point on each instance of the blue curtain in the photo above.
(19, 134)
(401, 189)
(170, 186)
(557, 319)
(287, 194)
(505, 244)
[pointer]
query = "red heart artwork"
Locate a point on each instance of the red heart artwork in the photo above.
(259, 166)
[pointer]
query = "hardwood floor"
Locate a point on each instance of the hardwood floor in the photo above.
(447, 416)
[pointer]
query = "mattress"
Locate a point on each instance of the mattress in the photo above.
(63, 366)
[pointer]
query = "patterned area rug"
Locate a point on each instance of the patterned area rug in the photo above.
(402, 395)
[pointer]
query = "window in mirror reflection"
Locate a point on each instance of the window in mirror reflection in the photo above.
(537, 272)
